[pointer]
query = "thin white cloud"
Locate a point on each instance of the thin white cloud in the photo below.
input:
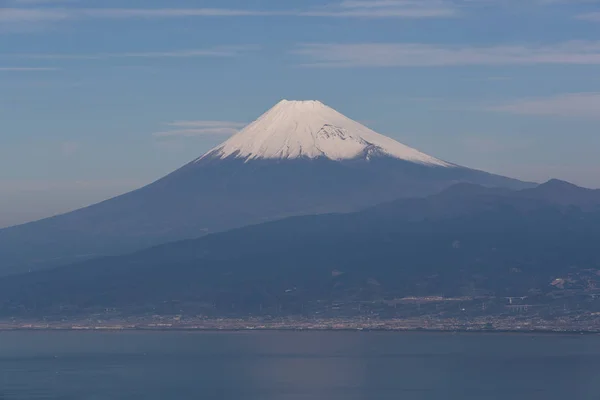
(573, 105)
(384, 3)
(29, 15)
(387, 9)
(592, 16)
(397, 10)
(225, 51)
(381, 13)
(18, 15)
(425, 55)
(567, 2)
(200, 128)
(391, 8)
(21, 13)
(513, 3)
(30, 2)
(196, 132)
(208, 124)
(27, 69)
(117, 13)
(457, 5)
(347, 9)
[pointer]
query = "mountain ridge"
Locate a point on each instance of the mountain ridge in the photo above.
(456, 243)
(215, 193)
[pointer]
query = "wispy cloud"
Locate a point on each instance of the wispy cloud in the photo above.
(22, 15)
(513, 3)
(592, 16)
(44, 2)
(425, 55)
(388, 3)
(200, 128)
(575, 105)
(27, 69)
(195, 132)
(224, 51)
(116, 13)
(208, 124)
(387, 9)
(567, 2)
(27, 11)
(25, 20)
(38, 2)
(346, 9)
(28, 15)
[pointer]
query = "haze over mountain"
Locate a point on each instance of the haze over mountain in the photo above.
(300, 157)
(468, 240)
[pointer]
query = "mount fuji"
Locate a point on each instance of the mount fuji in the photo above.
(299, 158)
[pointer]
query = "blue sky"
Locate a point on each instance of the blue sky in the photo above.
(98, 97)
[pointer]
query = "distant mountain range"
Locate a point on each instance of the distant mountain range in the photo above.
(468, 240)
(299, 158)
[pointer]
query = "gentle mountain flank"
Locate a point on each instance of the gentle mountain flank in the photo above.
(475, 243)
(299, 158)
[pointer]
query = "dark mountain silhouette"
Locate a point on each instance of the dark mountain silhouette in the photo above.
(565, 193)
(465, 241)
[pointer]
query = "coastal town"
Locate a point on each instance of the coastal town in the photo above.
(482, 324)
(572, 313)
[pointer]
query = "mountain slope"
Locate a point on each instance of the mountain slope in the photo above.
(466, 241)
(299, 158)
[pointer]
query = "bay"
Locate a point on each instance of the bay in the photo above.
(297, 366)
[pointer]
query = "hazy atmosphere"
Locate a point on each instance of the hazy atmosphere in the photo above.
(98, 97)
(293, 200)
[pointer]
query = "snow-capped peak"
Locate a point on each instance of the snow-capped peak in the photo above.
(310, 129)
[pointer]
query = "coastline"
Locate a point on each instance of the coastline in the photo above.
(197, 323)
(305, 330)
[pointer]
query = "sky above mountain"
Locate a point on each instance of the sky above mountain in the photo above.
(98, 97)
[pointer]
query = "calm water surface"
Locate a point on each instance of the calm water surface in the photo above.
(297, 366)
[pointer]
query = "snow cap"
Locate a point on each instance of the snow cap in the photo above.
(310, 129)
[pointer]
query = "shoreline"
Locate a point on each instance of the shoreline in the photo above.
(307, 330)
(174, 323)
